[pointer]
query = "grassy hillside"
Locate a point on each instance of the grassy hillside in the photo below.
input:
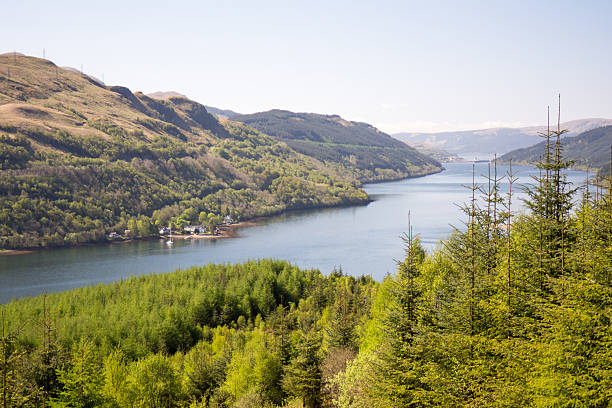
(590, 149)
(79, 159)
(354, 149)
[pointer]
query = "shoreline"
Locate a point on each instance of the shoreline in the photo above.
(226, 231)
(9, 252)
(391, 180)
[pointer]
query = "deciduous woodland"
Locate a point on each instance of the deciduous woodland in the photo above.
(513, 310)
(79, 160)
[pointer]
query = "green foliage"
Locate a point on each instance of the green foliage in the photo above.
(15, 152)
(394, 369)
(204, 370)
(468, 326)
(218, 335)
(355, 149)
(81, 381)
(255, 369)
(147, 383)
(303, 375)
(345, 314)
(152, 183)
(87, 160)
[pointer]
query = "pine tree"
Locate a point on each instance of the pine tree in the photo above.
(492, 218)
(40, 367)
(10, 357)
(549, 202)
(81, 379)
(341, 331)
(395, 380)
(303, 374)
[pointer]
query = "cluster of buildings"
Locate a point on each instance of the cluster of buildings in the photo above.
(196, 229)
(189, 229)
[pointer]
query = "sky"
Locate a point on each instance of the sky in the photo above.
(403, 66)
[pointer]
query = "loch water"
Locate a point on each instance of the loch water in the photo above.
(360, 240)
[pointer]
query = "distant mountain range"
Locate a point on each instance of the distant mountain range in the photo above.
(161, 95)
(486, 142)
(590, 149)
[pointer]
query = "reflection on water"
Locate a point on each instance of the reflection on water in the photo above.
(360, 240)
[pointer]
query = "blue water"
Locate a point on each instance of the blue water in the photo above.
(360, 240)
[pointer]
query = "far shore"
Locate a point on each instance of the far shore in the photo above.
(225, 231)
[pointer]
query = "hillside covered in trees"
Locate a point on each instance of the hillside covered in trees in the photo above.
(588, 150)
(352, 148)
(79, 159)
(512, 311)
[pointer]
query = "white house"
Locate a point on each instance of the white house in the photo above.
(195, 229)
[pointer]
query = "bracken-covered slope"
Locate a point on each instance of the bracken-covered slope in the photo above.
(353, 148)
(79, 159)
(588, 150)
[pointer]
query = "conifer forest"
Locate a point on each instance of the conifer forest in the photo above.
(512, 310)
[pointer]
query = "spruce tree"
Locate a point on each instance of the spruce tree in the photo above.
(395, 379)
(303, 374)
(341, 332)
(549, 202)
(10, 357)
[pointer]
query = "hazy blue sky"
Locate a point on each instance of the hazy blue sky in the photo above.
(400, 65)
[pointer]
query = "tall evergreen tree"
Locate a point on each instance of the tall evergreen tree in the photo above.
(549, 202)
(303, 374)
(395, 379)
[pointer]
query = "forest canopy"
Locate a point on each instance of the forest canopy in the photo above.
(513, 310)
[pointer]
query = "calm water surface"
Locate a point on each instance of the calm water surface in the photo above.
(360, 240)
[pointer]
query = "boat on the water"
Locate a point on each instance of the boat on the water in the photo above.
(170, 242)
